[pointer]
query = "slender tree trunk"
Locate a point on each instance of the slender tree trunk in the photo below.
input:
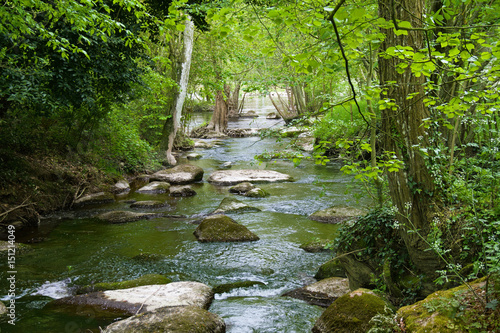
(173, 123)
(412, 188)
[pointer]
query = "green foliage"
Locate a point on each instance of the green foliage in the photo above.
(341, 122)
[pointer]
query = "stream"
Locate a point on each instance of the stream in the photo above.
(77, 249)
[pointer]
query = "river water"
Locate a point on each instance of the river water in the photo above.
(77, 249)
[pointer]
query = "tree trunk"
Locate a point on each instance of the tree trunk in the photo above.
(412, 188)
(181, 76)
(218, 122)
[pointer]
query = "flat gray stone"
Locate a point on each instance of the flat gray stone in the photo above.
(232, 177)
(232, 205)
(95, 199)
(179, 319)
(155, 188)
(180, 174)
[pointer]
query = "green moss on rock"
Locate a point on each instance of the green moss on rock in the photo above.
(221, 228)
(318, 245)
(331, 268)
(145, 280)
(351, 313)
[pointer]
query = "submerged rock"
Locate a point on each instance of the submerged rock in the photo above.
(180, 319)
(180, 174)
(149, 204)
(148, 257)
(241, 188)
(123, 216)
(351, 313)
(224, 288)
(154, 188)
(139, 299)
(232, 177)
(94, 199)
(336, 214)
(232, 205)
(249, 114)
(226, 165)
(331, 268)
(144, 280)
(222, 228)
(321, 293)
(182, 191)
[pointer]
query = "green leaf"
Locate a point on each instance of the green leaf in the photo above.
(180, 27)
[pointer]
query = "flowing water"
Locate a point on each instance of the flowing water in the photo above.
(77, 249)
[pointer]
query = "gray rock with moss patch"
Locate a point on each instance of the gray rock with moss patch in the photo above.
(173, 320)
(321, 293)
(232, 177)
(155, 188)
(123, 216)
(331, 268)
(94, 199)
(148, 279)
(148, 204)
(3, 309)
(180, 175)
(121, 186)
(139, 299)
(232, 205)
(336, 214)
(257, 193)
(352, 313)
(317, 245)
(241, 188)
(182, 191)
(222, 228)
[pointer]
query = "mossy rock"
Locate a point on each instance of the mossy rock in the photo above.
(180, 319)
(352, 313)
(257, 193)
(321, 293)
(336, 214)
(3, 309)
(20, 247)
(154, 188)
(119, 216)
(331, 268)
(224, 288)
(315, 246)
(452, 310)
(232, 205)
(221, 228)
(144, 280)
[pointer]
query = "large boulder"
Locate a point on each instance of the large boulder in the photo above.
(123, 216)
(180, 174)
(145, 280)
(180, 319)
(94, 199)
(321, 293)
(232, 205)
(139, 299)
(232, 177)
(336, 214)
(222, 228)
(154, 188)
(454, 310)
(352, 313)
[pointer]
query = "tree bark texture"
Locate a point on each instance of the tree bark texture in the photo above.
(411, 188)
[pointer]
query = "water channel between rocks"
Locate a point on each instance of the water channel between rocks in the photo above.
(79, 250)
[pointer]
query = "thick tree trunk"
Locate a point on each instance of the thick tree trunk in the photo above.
(412, 188)
(218, 122)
